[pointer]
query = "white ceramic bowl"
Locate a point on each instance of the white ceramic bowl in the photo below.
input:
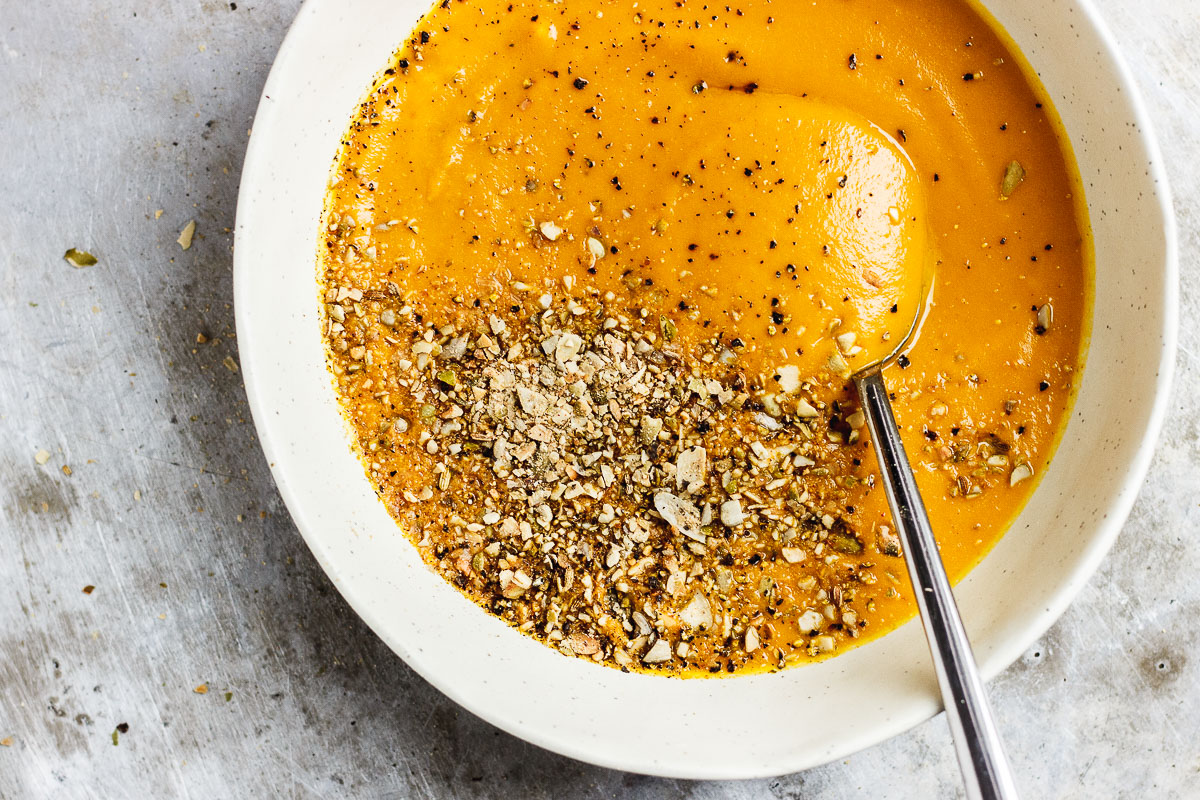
(733, 728)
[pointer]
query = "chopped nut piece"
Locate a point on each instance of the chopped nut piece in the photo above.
(789, 380)
(680, 515)
(805, 410)
(185, 235)
(697, 613)
(567, 348)
(650, 428)
(792, 555)
(514, 583)
(690, 467)
(595, 248)
(768, 422)
(810, 621)
(731, 513)
(1014, 174)
(659, 653)
(838, 366)
(583, 644)
(1045, 316)
(844, 542)
(456, 348)
(1020, 472)
(79, 258)
(889, 543)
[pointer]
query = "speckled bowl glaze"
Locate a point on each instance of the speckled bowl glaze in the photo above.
(756, 725)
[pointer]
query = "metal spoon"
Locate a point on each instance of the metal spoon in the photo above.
(976, 740)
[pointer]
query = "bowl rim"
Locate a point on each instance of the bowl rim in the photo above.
(991, 663)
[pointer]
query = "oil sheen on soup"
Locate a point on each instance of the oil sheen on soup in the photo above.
(595, 275)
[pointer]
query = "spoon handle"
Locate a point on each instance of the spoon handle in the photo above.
(980, 751)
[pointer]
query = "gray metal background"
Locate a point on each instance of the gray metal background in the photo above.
(110, 111)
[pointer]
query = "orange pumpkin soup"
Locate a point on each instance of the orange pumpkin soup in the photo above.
(595, 275)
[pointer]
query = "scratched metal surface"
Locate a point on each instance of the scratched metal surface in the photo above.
(111, 111)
